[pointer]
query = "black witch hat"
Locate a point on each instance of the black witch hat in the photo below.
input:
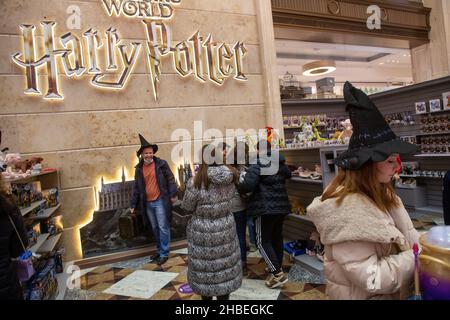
(146, 144)
(372, 138)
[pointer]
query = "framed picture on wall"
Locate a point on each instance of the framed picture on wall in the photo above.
(446, 100)
(435, 105)
(421, 107)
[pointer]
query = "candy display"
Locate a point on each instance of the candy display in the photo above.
(435, 124)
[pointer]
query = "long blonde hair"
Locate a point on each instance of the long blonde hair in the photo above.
(363, 181)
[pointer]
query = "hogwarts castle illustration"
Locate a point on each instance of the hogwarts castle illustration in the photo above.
(115, 195)
(114, 229)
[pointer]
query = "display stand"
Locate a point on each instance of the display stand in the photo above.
(396, 101)
(47, 241)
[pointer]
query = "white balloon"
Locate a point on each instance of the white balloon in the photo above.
(439, 236)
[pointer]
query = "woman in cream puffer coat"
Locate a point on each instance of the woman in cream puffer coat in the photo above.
(368, 253)
(367, 233)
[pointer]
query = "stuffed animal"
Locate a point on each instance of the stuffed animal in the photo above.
(27, 164)
(336, 135)
(15, 161)
(34, 161)
(11, 159)
(347, 132)
(316, 131)
(305, 135)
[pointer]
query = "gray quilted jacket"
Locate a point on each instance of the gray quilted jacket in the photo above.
(214, 265)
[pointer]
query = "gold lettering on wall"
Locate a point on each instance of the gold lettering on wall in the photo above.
(202, 57)
(76, 51)
(156, 9)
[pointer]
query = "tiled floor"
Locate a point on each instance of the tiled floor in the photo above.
(137, 279)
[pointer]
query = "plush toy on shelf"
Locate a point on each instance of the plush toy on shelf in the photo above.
(316, 132)
(27, 164)
(13, 159)
(306, 135)
(347, 132)
(16, 167)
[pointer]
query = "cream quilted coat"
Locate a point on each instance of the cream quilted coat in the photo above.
(368, 253)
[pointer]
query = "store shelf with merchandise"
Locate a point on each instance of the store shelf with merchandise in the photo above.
(308, 159)
(444, 111)
(437, 133)
(319, 158)
(31, 177)
(302, 191)
(42, 219)
(419, 176)
(431, 155)
(396, 105)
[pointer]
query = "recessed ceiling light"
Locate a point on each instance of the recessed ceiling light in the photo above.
(317, 68)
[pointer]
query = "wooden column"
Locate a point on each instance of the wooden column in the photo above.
(432, 60)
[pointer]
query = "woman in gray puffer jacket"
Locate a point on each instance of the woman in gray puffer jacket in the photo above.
(214, 265)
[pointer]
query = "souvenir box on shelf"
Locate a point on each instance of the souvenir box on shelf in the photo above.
(51, 197)
(446, 100)
(421, 107)
(43, 285)
(435, 105)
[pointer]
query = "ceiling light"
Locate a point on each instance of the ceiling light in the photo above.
(318, 68)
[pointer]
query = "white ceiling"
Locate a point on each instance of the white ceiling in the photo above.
(353, 63)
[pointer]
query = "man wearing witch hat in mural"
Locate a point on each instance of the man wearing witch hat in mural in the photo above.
(367, 233)
(154, 193)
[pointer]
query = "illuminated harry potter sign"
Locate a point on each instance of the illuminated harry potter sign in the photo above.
(157, 9)
(201, 57)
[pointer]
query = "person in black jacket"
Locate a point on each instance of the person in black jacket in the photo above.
(154, 193)
(446, 198)
(269, 204)
(10, 246)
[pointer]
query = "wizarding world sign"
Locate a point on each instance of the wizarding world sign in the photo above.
(201, 57)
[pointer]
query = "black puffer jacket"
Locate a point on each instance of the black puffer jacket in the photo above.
(268, 192)
(10, 247)
(446, 198)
